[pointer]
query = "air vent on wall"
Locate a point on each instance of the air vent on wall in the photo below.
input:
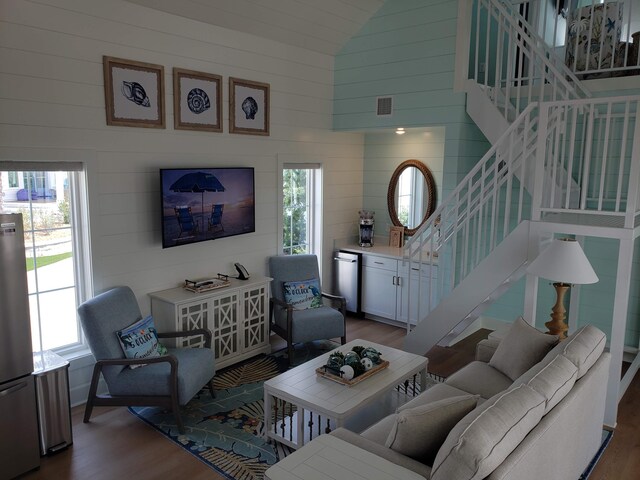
(385, 106)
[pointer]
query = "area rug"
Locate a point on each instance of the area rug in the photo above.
(226, 432)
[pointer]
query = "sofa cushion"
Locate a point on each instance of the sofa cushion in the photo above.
(583, 348)
(419, 432)
(479, 378)
(553, 381)
(379, 431)
(486, 436)
(521, 348)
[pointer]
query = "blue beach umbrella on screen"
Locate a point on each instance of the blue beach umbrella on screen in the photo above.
(197, 182)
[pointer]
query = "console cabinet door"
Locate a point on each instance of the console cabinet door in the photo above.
(190, 316)
(255, 328)
(224, 326)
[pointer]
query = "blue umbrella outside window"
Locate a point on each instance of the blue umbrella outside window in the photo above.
(197, 182)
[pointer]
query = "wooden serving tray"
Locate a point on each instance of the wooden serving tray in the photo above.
(323, 373)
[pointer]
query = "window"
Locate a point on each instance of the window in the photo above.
(13, 179)
(52, 208)
(301, 211)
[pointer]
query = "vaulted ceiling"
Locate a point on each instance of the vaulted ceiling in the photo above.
(319, 25)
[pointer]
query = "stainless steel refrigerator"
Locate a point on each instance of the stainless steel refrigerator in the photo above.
(19, 448)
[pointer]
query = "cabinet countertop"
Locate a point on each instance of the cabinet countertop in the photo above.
(179, 294)
(385, 251)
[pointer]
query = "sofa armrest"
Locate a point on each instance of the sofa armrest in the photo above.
(382, 452)
(486, 348)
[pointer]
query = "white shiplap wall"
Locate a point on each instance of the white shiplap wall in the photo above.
(52, 107)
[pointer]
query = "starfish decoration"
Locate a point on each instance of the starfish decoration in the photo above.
(610, 24)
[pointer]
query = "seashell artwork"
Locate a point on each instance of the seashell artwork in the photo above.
(198, 101)
(250, 108)
(135, 92)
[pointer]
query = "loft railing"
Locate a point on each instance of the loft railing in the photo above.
(593, 38)
(596, 141)
(513, 63)
(467, 226)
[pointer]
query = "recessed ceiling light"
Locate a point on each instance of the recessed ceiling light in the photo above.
(400, 131)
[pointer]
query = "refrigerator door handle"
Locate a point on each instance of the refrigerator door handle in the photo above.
(13, 389)
(339, 259)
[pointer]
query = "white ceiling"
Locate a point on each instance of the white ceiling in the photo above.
(319, 25)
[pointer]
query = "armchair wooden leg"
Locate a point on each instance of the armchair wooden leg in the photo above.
(93, 388)
(290, 352)
(343, 339)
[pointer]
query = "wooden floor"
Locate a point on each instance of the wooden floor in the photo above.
(115, 444)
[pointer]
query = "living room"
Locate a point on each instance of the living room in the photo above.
(321, 113)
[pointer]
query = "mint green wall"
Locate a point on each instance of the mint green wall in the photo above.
(407, 50)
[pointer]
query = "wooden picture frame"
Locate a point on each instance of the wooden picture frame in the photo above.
(197, 101)
(134, 93)
(396, 237)
(248, 107)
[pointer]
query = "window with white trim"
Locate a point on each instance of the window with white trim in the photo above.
(301, 208)
(51, 198)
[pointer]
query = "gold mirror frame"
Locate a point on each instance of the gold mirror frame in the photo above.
(391, 193)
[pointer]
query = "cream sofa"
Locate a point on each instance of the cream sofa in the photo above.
(542, 420)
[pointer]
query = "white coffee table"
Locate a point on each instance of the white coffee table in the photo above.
(331, 457)
(299, 404)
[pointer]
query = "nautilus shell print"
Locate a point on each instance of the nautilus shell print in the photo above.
(198, 101)
(250, 108)
(135, 92)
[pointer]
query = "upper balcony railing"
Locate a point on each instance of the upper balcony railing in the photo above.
(594, 38)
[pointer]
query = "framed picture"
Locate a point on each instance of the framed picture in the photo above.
(396, 237)
(197, 99)
(248, 107)
(134, 93)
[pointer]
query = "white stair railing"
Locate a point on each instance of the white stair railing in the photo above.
(513, 63)
(484, 208)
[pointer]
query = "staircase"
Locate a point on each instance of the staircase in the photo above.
(558, 155)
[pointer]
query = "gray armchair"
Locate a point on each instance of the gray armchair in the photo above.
(167, 381)
(298, 326)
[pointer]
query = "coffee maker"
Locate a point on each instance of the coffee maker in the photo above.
(366, 228)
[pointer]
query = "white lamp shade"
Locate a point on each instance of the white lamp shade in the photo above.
(563, 261)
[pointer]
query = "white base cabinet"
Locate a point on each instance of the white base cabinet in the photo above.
(237, 316)
(386, 289)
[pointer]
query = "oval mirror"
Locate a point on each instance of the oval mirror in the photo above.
(411, 197)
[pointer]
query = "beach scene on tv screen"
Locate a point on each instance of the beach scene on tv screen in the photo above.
(208, 203)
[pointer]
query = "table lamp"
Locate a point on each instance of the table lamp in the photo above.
(564, 263)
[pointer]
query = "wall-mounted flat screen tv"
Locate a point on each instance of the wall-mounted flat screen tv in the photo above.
(201, 204)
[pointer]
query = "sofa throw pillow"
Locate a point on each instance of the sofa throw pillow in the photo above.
(304, 294)
(140, 340)
(481, 441)
(419, 432)
(521, 348)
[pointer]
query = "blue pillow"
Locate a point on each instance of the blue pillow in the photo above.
(140, 340)
(303, 294)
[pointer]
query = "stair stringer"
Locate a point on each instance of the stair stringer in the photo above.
(474, 294)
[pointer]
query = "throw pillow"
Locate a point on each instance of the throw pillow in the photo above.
(481, 441)
(419, 432)
(521, 348)
(140, 340)
(303, 294)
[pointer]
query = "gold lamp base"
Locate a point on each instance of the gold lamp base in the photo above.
(557, 325)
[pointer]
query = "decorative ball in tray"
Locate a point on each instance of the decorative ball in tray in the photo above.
(354, 366)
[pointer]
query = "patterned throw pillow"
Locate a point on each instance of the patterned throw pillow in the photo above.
(140, 340)
(303, 294)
